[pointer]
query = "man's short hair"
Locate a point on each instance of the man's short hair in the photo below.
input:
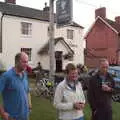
(69, 67)
(17, 57)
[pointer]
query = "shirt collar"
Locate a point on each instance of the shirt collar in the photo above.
(71, 85)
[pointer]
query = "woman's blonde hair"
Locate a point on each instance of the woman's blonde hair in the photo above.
(69, 67)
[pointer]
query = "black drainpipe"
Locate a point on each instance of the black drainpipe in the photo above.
(1, 33)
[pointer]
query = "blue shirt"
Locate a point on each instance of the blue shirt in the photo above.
(14, 91)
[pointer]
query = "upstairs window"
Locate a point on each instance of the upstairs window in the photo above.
(26, 28)
(28, 51)
(70, 34)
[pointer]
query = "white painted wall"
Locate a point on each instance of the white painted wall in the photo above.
(77, 42)
(13, 41)
(60, 47)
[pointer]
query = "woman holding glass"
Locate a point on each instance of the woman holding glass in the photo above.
(69, 99)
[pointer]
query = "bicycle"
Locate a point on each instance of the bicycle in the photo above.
(44, 87)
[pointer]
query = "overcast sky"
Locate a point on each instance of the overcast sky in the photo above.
(83, 10)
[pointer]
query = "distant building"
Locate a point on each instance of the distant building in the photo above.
(102, 39)
(26, 29)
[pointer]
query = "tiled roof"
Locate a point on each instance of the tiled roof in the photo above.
(76, 25)
(21, 11)
(17, 10)
(112, 24)
(45, 48)
(115, 25)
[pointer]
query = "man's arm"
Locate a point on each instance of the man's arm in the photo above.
(91, 94)
(28, 92)
(3, 113)
(109, 87)
(29, 99)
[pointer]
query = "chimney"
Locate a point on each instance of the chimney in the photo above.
(46, 8)
(117, 19)
(100, 12)
(10, 1)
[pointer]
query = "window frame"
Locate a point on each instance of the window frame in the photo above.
(26, 28)
(70, 34)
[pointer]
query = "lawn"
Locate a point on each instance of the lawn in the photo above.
(44, 110)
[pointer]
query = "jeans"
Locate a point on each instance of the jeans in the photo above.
(81, 118)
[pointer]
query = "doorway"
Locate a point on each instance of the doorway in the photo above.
(58, 57)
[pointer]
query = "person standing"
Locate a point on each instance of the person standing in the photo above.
(100, 90)
(69, 99)
(39, 72)
(38, 67)
(14, 89)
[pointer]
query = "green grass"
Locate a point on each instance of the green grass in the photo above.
(87, 112)
(44, 110)
(116, 108)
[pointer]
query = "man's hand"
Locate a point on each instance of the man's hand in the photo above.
(5, 116)
(106, 88)
(79, 105)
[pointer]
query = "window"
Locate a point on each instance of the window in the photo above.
(70, 34)
(26, 28)
(28, 51)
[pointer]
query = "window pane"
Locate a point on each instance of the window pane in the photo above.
(26, 28)
(69, 34)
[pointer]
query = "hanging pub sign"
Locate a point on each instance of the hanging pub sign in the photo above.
(64, 12)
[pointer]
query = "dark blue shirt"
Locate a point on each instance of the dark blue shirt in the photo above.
(14, 89)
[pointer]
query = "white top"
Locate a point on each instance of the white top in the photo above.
(64, 99)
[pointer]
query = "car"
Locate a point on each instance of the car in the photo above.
(115, 72)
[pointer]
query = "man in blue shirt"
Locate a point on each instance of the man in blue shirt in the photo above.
(14, 89)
